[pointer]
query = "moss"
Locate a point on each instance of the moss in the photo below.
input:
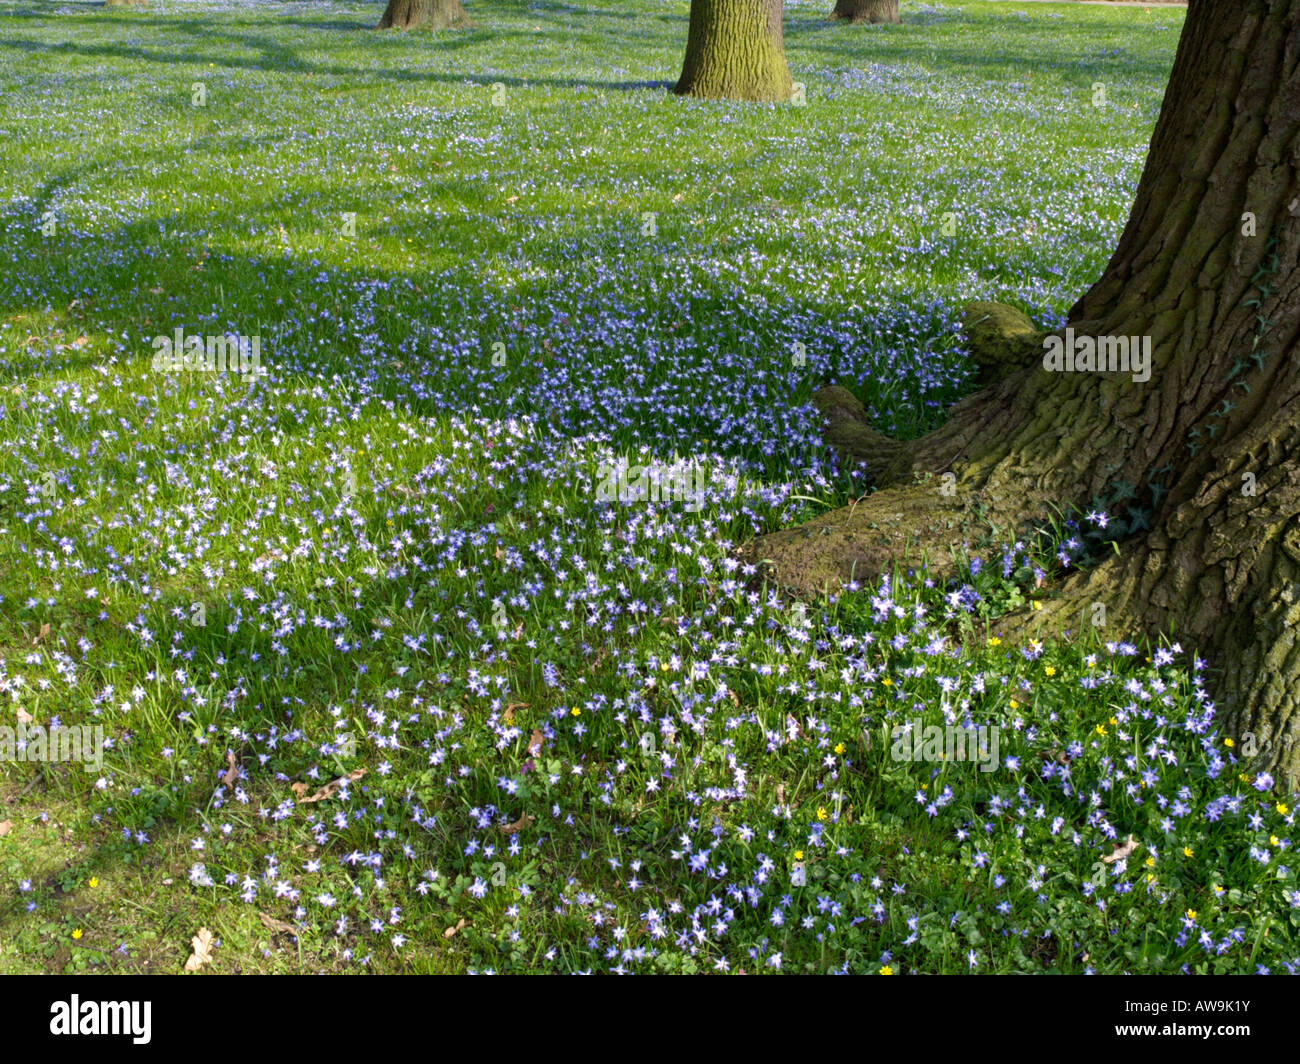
(1001, 339)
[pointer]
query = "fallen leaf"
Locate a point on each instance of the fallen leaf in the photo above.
(23, 716)
(272, 924)
(452, 930)
(5, 827)
(202, 945)
(1121, 851)
(45, 630)
(510, 710)
(518, 825)
(329, 789)
(535, 743)
(299, 789)
(232, 773)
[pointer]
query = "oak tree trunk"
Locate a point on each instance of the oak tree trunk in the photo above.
(428, 14)
(866, 10)
(735, 50)
(1199, 466)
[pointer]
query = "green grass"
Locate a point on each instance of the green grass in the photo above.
(396, 544)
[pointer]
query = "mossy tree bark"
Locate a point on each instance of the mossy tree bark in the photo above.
(735, 50)
(866, 10)
(1199, 467)
(426, 14)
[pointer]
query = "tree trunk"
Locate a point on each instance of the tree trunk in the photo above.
(1199, 466)
(866, 10)
(735, 50)
(430, 14)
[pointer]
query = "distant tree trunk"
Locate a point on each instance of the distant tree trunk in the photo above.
(432, 14)
(1195, 456)
(866, 10)
(735, 51)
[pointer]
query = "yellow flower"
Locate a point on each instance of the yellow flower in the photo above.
(1229, 743)
(1150, 877)
(1187, 851)
(1282, 808)
(1245, 777)
(886, 970)
(575, 711)
(995, 642)
(1038, 605)
(1015, 704)
(821, 813)
(1050, 670)
(94, 882)
(1114, 721)
(664, 667)
(1101, 729)
(1218, 889)
(1274, 840)
(76, 933)
(1191, 914)
(798, 855)
(839, 748)
(887, 682)
(1151, 862)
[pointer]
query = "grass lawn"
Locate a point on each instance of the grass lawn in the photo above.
(573, 733)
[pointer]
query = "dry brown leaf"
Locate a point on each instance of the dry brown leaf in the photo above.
(232, 773)
(510, 710)
(518, 825)
(202, 946)
(535, 743)
(23, 716)
(272, 924)
(299, 789)
(329, 789)
(1121, 851)
(5, 827)
(452, 930)
(45, 631)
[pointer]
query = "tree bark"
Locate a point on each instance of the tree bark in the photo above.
(866, 10)
(735, 50)
(429, 14)
(1199, 467)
